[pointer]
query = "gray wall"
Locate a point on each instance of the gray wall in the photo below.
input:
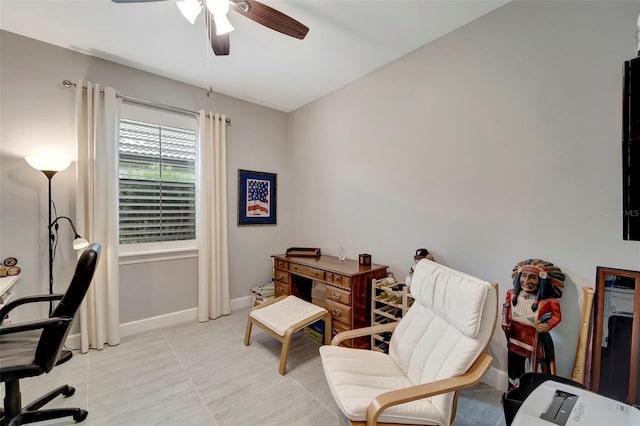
(37, 115)
(498, 142)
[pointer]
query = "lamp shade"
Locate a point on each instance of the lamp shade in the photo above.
(79, 243)
(48, 164)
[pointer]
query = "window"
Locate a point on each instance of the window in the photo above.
(157, 179)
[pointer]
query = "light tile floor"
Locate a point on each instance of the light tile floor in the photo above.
(202, 374)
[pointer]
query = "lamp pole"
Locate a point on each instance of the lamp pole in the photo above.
(50, 174)
(78, 243)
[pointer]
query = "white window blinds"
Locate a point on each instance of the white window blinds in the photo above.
(157, 182)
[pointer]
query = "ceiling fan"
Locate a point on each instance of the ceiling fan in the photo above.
(219, 27)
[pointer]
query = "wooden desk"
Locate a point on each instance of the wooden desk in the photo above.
(348, 287)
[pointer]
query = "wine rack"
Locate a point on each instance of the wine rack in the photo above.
(390, 301)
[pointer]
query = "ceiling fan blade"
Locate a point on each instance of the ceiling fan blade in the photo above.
(219, 43)
(270, 17)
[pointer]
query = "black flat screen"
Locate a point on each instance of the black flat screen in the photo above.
(631, 150)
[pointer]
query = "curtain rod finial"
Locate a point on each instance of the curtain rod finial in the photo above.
(67, 84)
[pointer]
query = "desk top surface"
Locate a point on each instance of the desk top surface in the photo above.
(7, 282)
(332, 263)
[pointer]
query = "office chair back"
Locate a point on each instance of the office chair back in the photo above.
(53, 338)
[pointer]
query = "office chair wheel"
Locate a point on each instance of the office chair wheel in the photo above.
(69, 392)
(80, 415)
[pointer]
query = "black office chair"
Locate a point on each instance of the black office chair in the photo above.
(33, 348)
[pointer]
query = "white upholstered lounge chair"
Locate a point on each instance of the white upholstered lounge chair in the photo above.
(438, 348)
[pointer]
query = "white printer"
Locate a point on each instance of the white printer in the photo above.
(560, 404)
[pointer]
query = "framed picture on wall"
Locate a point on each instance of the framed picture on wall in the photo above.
(256, 198)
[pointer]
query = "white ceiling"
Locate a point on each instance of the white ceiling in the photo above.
(347, 39)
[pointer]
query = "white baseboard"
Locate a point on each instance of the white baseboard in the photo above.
(161, 321)
(496, 378)
(240, 303)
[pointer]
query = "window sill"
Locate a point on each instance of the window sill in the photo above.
(160, 255)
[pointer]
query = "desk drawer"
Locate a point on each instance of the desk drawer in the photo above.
(339, 312)
(282, 264)
(281, 289)
(306, 271)
(338, 327)
(337, 295)
(339, 280)
(281, 276)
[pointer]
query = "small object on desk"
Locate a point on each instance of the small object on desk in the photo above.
(303, 251)
(13, 271)
(365, 259)
(3, 271)
(341, 256)
(10, 261)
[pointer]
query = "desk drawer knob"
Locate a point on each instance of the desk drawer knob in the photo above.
(337, 312)
(280, 289)
(336, 295)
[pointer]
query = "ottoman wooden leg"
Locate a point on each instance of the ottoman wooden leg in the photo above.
(247, 334)
(327, 328)
(286, 342)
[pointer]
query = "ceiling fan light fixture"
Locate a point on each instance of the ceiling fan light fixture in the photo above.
(190, 9)
(223, 25)
(219, 10)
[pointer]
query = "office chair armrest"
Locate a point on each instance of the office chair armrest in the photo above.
(470, 378)
(364, 331)
(34, 325)
(29, 299)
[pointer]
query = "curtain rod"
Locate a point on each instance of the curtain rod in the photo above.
(68, 83)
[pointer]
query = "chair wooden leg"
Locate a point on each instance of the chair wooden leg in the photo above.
(247, 333)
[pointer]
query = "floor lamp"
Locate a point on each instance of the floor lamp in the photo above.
(49, 166)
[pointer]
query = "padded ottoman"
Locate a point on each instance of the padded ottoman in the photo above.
(282, 317)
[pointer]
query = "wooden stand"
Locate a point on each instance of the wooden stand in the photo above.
(579, 366)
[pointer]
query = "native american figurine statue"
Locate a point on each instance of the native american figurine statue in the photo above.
(530, 311)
